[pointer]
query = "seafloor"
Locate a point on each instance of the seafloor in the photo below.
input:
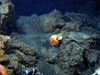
(24, 41)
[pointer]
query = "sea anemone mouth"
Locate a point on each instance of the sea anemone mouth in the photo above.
(54, 41)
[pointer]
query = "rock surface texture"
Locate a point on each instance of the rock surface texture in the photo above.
(78, 53)
(6, 16)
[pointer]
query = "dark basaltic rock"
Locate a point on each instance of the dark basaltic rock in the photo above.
(44, 23)
(77, 45)
(20, 53)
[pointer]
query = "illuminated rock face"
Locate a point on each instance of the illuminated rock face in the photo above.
(3, 40)
(6, 15)
(4, 8)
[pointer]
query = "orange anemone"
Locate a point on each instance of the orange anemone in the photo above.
(3, 70)
(53, 41)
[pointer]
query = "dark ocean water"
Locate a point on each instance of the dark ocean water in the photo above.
(28, 7)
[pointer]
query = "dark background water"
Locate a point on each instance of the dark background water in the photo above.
(28, 7)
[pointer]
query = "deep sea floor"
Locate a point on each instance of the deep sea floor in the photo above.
(57, 41)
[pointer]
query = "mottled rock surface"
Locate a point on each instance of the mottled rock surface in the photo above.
(20, 54)
(44, 23)
(6, 16)
(78, 45)
(3, 40)
(77, 54)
